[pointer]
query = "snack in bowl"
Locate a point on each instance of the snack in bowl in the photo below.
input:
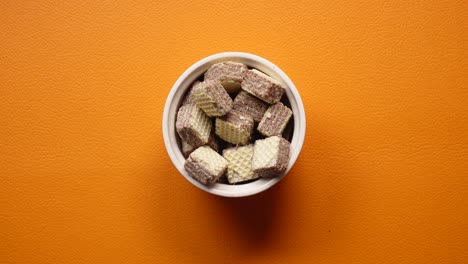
(228, 73)
(205, 165)
(235, 127)
(213, 143)
(212, 98)
(270, 157)
(258, 101)
(250, 105)
(262, 86)
(294, 131)
(193, 126)
(188, 99)
(274, 120)
(239, 164)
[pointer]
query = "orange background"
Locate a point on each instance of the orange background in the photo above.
(85, 177)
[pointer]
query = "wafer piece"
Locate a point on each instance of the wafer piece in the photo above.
(250, 105)
(213, 143)
(234, 127)
(211, 97)
(205, 165)
(270, 157)
(262, 86)
(229, 74)
(274, 120)
(188, 99)
(239, 164)
(192, 125)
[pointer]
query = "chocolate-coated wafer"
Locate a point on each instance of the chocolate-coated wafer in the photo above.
(274, 120)
(235, 127)
(213, 143)
(212, 98)
(193, 125)
(270, 157)
(188, 99)
(262, 86)
(228, 73)
(250, 105)
(205, 165)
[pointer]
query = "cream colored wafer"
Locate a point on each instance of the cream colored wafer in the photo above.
(213, 143)
(235, 127)
(270, 157)
(205, 165)
(240, 164)
(192, 125)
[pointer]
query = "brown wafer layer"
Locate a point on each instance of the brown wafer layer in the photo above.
(250, 105)
(213, 143)
(205, 165)
(188, 99)
(229, 74)
(274, 120)
(192, 125)
(262, 86)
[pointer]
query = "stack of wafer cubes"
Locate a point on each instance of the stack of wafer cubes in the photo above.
(231, 125)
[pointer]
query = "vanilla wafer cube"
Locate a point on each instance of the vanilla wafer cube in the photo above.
(274, 120)
(228, 73)
(262, 86)
(188, 99)
(205, 165)
(213, 143)
(193, 125)
(250, 105)
(239, 164)
(270, 156)
(235, 127)
(212, 98)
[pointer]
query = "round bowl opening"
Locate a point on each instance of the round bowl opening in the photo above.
(194, 72)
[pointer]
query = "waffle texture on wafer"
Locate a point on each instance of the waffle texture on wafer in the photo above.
(205, 165)
(274, 120)
(212, 98)
(193, 125)
(235, 127)
(239, 164)
(262, 86)
(229, 74)
(250, 105)
(270, 157)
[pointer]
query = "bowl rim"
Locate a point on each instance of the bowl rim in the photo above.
(300, 132)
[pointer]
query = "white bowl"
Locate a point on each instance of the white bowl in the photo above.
(184, 82)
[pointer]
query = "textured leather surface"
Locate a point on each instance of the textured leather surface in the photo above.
(85, 178)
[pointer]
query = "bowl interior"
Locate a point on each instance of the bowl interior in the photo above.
(296, 125)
